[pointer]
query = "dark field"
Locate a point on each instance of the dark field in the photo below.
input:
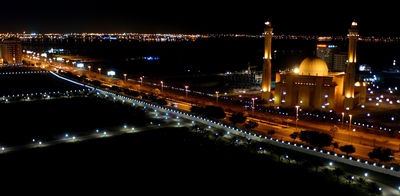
(51, 119)
(30, 114)
(168, 161)
(32, 81)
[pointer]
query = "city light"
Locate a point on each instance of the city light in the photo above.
(111, 73)
(80, 65)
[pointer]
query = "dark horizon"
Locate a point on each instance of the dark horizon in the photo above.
(178, 17)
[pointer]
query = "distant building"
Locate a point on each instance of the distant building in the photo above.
(339, 61)
(11, 51)
(325, 52)
(332, 55)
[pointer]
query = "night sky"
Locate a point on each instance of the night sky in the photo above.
(196, 17)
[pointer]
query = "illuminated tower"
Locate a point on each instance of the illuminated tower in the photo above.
(349, 80)
(266, 72)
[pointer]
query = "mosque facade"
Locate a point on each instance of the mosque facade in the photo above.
(312, 86)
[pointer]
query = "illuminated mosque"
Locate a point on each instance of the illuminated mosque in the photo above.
(311, 86)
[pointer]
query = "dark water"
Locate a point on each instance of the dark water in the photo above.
(379, 55)
(201, 56)
(204, 56)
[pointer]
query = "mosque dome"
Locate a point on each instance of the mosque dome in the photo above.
(313, 66)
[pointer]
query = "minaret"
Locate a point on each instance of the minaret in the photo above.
(349, 79)
(266, 72)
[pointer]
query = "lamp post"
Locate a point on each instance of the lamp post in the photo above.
(252, 107)
(342, 118)
(350, 121)
(297, 114)
(186, 90)
(99, 69)
(141, 82)
(125, 77)
(162, 86)
(350, 116)
(89, 67)
(216, 92)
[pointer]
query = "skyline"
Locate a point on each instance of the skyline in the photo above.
(179, 17)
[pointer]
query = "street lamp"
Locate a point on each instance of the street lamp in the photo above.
(89, 67)
(350, 116)
(342, 118)
(99, 70)
(252, 108)
(125, 76)
(141, 81)
(350, 122)
(186, 87)
(216, 92)
(162, 86)
(297, 114)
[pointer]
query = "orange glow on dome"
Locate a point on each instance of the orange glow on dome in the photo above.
(313, 66)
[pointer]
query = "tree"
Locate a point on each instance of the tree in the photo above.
(373, 188)
(335, 145)
(251, 125)
(294, 135)
(237, 118)
(214, 112)
(162, 101)
(316, 138)
(220, 132)
(348, 149)
(382, 154)
(197, 110)
(313, 161)
(338, 172)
